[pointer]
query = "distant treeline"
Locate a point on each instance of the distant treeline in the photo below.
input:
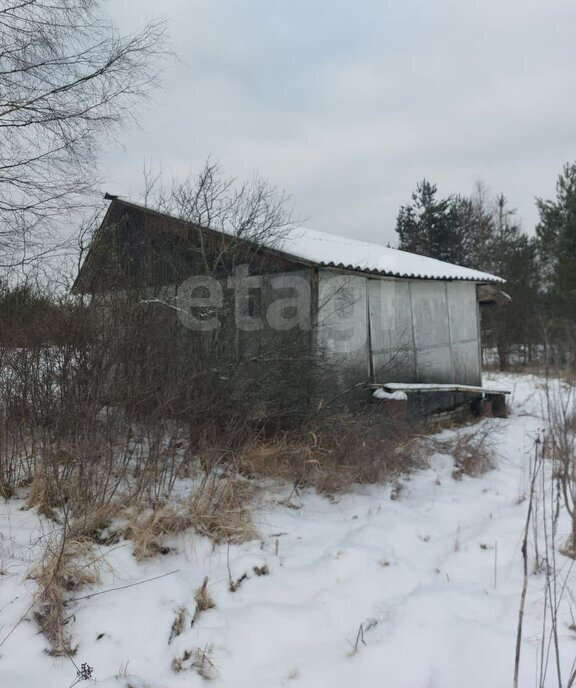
(481, 231)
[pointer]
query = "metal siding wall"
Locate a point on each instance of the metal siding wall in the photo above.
(466, 363)
(462, 308)
(343, 324)
(431, 331)
(420, 330)
(391, 330)
(465, 329)
(429, 314)
(434, 365)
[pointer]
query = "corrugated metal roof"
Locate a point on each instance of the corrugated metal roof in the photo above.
(331, 250)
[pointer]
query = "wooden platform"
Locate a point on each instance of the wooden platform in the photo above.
(429, 388)
(428, 400)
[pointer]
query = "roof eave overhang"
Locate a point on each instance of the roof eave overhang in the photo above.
(412, 276)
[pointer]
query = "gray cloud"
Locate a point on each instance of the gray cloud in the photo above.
(347, 105)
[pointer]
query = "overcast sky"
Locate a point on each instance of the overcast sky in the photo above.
(347, 104)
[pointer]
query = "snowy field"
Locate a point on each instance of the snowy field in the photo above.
(417, 591)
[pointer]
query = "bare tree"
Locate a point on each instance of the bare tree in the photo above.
(68, 81)
(254, 210)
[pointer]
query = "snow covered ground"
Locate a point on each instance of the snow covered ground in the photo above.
(416, 591)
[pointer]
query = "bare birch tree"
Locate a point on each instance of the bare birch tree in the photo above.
(68, 82)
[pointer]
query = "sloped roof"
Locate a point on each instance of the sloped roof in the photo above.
(331, 250)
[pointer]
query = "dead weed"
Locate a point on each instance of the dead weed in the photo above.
(67, 565)
(198, 660)
(337, 453)
(147, 528)
(472, 450)
(221, 510)
(203, 600)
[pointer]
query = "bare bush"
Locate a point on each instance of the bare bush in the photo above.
(540, 549)
(560, 448)
(472, 450)
(551, 499)
(98, 425)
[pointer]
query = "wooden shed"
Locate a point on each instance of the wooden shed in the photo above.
(382, 315)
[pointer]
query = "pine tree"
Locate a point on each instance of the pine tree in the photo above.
(428, 225)
(556, 234)
(513, 255)
(481, 233)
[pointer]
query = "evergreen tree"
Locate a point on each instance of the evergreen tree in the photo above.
(475, 229)
(513, 255)
(428, 225)
(556, 232)
(481, 233)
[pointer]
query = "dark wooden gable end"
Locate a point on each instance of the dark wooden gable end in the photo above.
(139, 247)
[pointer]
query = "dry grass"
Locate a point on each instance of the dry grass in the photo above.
(203, 600)
(341, 451)
(45, 495)
(91, 523)
(473, 451)
(233, 585)
(569, 548)
(6, 490)
(199, 660)
(178, 662)
(67, 565)
(147, 528)
(104, 468)
(331, 456)
(221, 510)
(178, 624)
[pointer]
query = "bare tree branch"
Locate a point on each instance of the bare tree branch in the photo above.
(68, 82)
